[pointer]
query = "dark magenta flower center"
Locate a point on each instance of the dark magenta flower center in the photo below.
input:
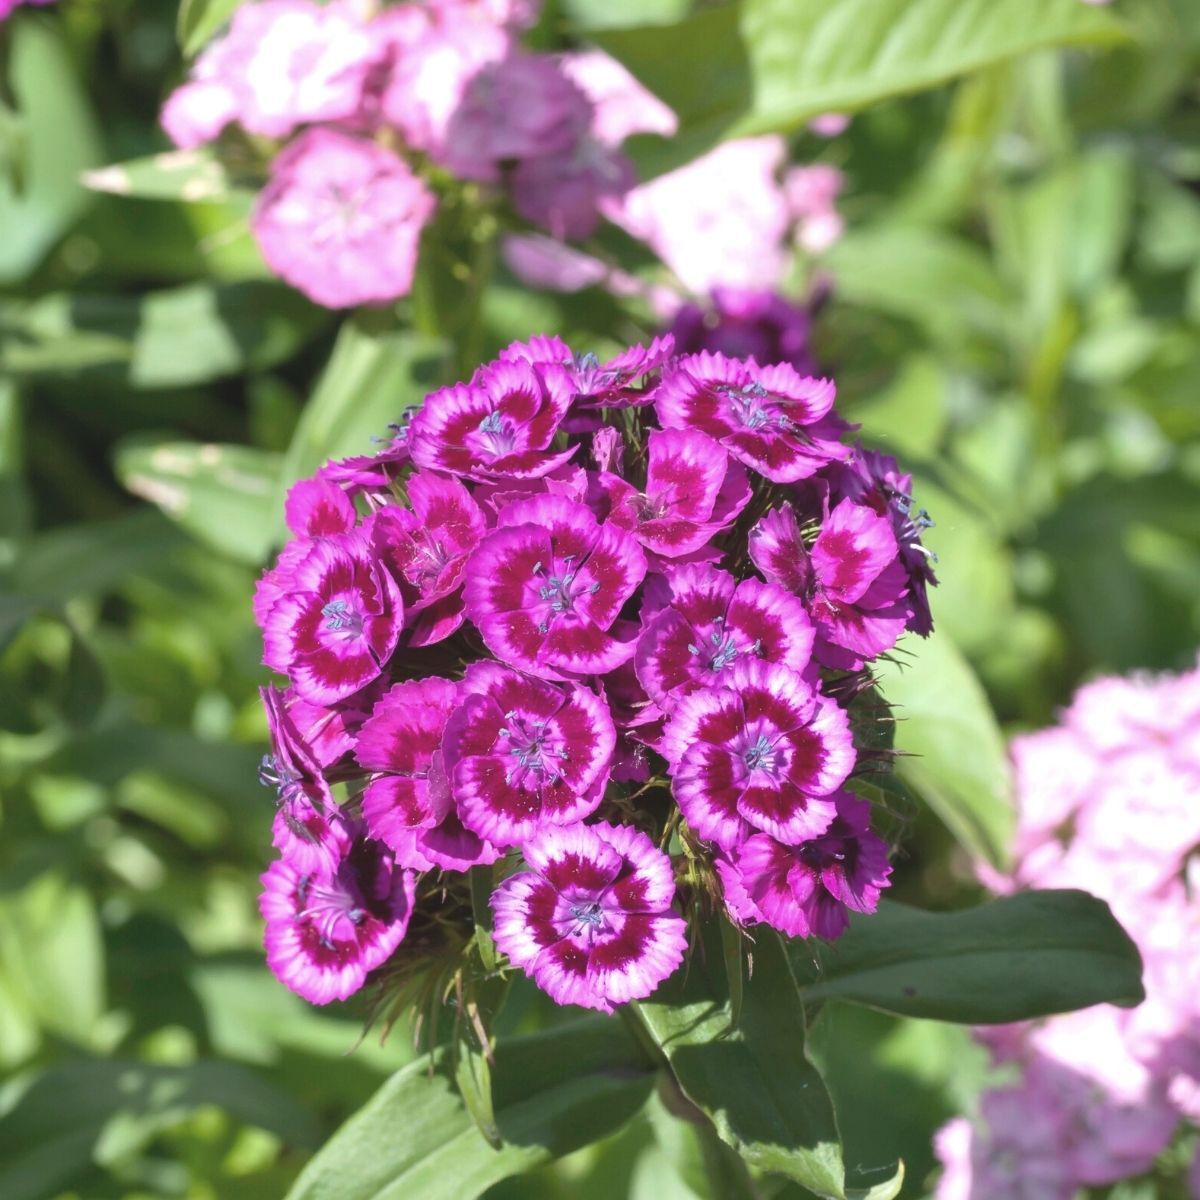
(760, 756)
(499, 436)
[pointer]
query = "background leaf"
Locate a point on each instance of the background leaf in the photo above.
(1023, 956)
(415, 1139)
(952, 752)
(225, 495)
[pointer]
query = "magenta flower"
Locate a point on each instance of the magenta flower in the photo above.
(426, 548)
(341, 219)
(713, 623)
(876, 480)
(591, 922)
(809, 890)
(760, 751)
(851, 579)
(546, 587)
(499, 425)
(774, 420)
(326, 930)
(692, 492)
(523, 753)
(308, 830)
(316, 507)
(398, 744)
(338, 623)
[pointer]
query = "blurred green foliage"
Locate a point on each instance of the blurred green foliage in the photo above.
(1014, 313)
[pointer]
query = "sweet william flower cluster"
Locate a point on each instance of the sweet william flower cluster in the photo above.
(601, 631)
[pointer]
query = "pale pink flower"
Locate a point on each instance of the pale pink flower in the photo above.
(720, 220)
(341, 219)
(811, 194)
(621, 106)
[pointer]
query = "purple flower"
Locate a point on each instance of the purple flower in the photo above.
(326, 930)
(341, 219)
(426, 548)
(774, 420)
(317, 507)
(808, 890)
(338, 623)
(851, 579)
(545, 588)
(876, 480)
(714, 623)
(562, 192)
(742, 323)
(521, 107)
(499, 425)
(591, 922)
(692, 492)
(523, 753)
(761, 751)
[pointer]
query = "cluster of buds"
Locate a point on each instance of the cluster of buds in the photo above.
(594, 632)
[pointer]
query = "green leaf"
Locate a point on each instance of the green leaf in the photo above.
(771, 65)
(225, 495)
(200, 20)
(164, 339)
(175, 175)
(52, 952)
(371, 379)
(952, 752)
(415, 1140)
(754, 1081)
(941, 282)
(80, 1113)
(474, 1051)
(42, 195)
(1023, 956)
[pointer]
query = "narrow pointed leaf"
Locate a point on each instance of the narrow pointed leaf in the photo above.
(415, 1139)
(1024, 956)
(754, 1081)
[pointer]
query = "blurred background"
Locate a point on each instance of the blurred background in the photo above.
(1011, 308)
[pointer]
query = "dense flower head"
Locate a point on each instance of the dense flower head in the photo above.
(1108, 800)
(568, 631)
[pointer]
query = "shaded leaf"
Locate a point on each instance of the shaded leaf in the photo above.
(371, 379)
(415, 1139)
(225, 495)
(1023, 956)
(754, 1081)
(41, 197)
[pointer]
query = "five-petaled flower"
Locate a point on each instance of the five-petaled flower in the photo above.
(591, 919)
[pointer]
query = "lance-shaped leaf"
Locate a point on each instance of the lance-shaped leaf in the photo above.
(173, 175)
(415, 1139)
(1024, 956)
(763, 66)
(224, 495)
(754, 1080)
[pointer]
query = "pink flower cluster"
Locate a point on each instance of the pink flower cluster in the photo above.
(1109, 801)
(595, 622)
(372, 100)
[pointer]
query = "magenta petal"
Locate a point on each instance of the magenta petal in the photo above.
(685, 471)
(314, 507)
(788, 816)
(855, 544)
(631, 964)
